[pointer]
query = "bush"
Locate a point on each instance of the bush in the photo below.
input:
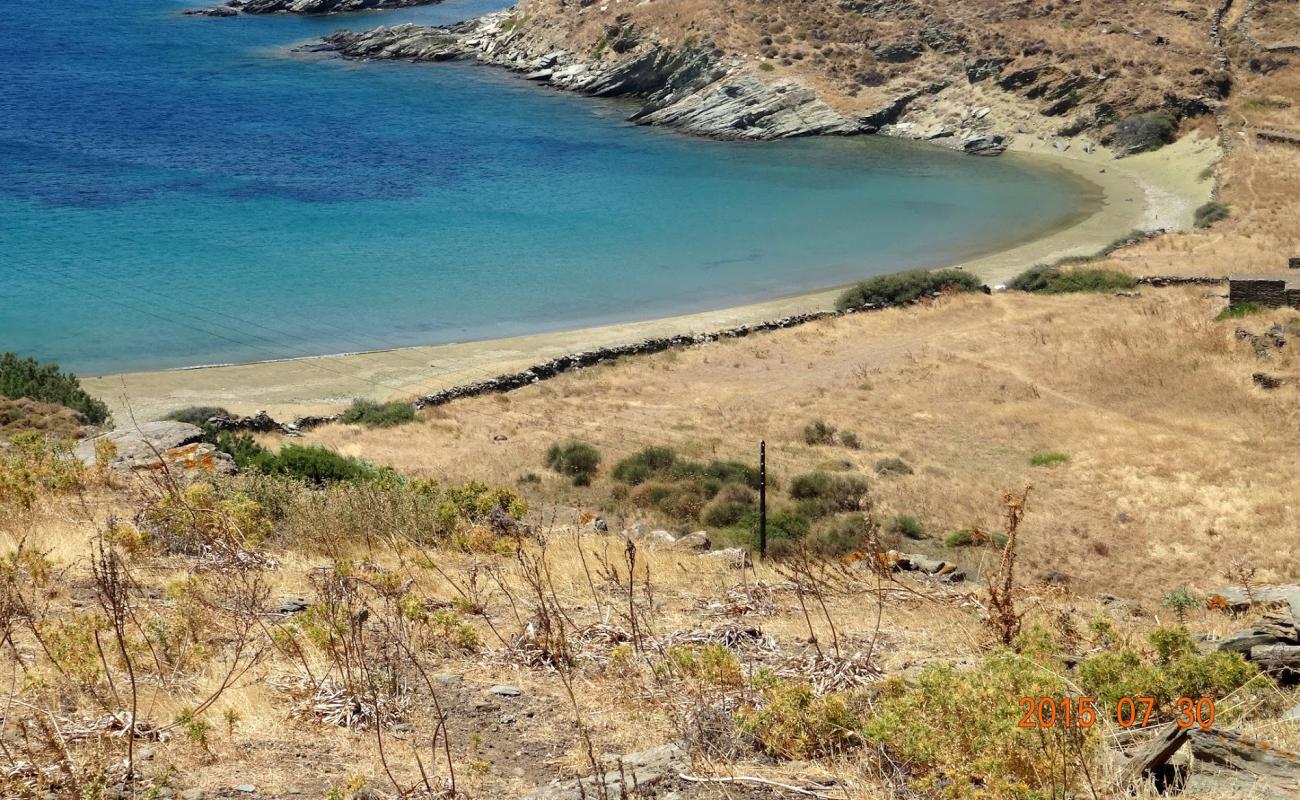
(1177, 669)
(904, 287)
(783, 525)
(1048, 459)
(31, 379)
(907, 527)
(378, 415)
(33, 465)
(835, 492)
(197, 415)
(729, 507)
(1239, 311)
(893, 466)
(643, 466)
(578, 460)
(682, 501)
(957, 734)
(791, 721)
(1144, 132)
(1210, 213)
(315, 464)
(818, 432)
(243, 448)
(974, 537)
(662, 464)
(845, 534)
(1053, 280)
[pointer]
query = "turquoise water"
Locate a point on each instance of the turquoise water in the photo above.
(178, 191)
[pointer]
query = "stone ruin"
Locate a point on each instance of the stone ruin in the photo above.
(1270, 290)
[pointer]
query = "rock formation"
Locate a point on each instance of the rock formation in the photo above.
(688, 87)
(235, 7)
(155, 447)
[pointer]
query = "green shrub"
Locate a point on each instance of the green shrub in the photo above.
(893, 466)
(818, 432)
(29, 378)
(1176, 669)
(577, 460)
(907, 527)
(783, 525)
(791, 721)
(1048, 459)
(905, 287)
(1053, 280)
(197, 415)
(1141, 133)
(766, 66)
(974, 537)
(1210, 213)
(643, 466)
(243, 448)
(835, 492)
(843, 535)
(956, 732)
(682, 501)
(316, 465)
(1239, 310)
(662, 464)
(378, 415)
(729, 507)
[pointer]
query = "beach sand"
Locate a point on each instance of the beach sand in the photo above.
(1149, 191)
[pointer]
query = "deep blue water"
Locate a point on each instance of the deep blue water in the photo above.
(179, 190)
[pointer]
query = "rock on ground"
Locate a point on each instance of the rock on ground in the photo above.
(633, 775)
(154, 446)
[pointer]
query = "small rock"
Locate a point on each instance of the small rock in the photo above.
(661, 536)
(738, 558)
(192, 794)
(505, 690)
(694, 541)
(245, 788)
(1054, 577)
(403, 727)
(447, 679)
(292, 605)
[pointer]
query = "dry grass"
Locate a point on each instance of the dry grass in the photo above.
(1174, 454)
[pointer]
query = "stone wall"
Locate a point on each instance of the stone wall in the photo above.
(1270, 291)
(1262, 290)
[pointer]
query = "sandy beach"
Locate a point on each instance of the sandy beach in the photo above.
(1149, 191)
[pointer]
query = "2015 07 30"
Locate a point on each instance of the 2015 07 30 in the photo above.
(1129, 712)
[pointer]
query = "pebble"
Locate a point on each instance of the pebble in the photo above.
(245, 788)
(505, 690)
(448, 678)
(192, 794)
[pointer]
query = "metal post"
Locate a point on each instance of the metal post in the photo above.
(762, 499)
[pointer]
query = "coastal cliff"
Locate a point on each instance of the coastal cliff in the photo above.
(969, 77)
(233, 8)
(688, 87)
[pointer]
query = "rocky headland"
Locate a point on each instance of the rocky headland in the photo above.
(963, 78)
(233, 8)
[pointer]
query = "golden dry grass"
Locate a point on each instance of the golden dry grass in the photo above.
(1177, 461)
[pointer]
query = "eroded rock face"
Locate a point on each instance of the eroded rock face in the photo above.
(687, 87)
(155, 446)
(234, 7)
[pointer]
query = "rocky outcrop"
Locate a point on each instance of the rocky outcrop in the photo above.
(235, 7)
(687, 88)
(156, 447)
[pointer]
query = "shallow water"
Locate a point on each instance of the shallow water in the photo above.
(178, 191)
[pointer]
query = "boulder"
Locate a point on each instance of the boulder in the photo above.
(154, 446)
(694, 541)
(738, 558)
(632, 775)
(661, 537)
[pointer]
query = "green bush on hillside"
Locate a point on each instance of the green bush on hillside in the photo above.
(378, 415)
(663, 464)
(1210, 213)
(197, 415)
(577, 460)
(905, 287)
(1239, 311)
(827, 492)
(315, 464)
(26, 377)
(1053, 280)
(1144, 132)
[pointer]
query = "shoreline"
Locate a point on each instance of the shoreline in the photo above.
(1150, 191)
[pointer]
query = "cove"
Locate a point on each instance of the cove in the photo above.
(178, 191)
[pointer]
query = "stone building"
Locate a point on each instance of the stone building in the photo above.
(1273, 291)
